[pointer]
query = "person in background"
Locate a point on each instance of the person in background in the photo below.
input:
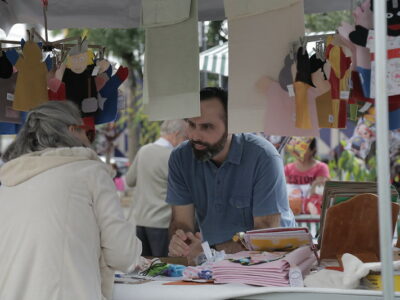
(118, 180)
(226, 183)
(309, 171)
(149, 174)
(62, 230)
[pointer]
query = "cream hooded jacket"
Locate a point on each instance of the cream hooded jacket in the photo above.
(61, 227)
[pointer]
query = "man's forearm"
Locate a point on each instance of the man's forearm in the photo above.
(269, 221)
(174, 226)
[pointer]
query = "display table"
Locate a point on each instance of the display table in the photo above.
(156, 290)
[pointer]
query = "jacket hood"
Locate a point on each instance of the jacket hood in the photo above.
(23, 168)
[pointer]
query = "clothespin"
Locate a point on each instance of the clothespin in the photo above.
(102, 50)
(32, 34)
(320, 50)
(63, 54)
(81, 43)
(293, 51)
(303, 44)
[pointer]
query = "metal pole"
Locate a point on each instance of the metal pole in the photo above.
(381, 103)
(203, 48)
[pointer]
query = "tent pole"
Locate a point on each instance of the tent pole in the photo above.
(385, 212)
(203, 48)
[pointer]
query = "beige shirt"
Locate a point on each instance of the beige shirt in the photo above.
(62, 229)
(149, 175)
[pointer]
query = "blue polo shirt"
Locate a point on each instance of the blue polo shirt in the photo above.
(250, 182)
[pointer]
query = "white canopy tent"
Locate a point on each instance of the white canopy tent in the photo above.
(126, 14)
(116, 13)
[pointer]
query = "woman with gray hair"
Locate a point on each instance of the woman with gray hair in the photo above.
(62, 230)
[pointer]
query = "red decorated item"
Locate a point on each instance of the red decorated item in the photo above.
(122, 73)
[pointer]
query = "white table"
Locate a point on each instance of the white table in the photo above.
(156, 290)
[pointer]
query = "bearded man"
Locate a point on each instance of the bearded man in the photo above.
(223, 183)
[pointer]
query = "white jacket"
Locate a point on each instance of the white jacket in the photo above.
(61, 227)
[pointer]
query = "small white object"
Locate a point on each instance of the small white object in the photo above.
(90, 105)
(365, 107)
(344, 95)
(207, 250)
(101, 101)
(96, 70)
(10, 97)
(296, 277)
(331, 119)
(290, 90)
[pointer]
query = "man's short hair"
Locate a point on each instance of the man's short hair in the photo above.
(208, 93)
(172, 127)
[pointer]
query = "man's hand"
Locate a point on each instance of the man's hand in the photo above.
(185, 244)
(195, 248)
(178, 245)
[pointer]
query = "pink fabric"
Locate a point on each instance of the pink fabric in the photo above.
(119, 183)
(53, 84)
(280, 113)
(294, 176)
(275, 273)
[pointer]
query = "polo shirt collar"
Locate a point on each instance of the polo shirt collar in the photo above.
(236, 149)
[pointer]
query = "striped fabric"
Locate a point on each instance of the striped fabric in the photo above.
(309, 221)
(215, 60)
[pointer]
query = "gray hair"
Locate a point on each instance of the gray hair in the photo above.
(173, 126)
(46, 126)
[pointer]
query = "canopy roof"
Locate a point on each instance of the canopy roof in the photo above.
(116, 13)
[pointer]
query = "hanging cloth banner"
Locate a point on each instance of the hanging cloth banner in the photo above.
(31, 87)
(171, 68)
(260, 35)
(157, 13)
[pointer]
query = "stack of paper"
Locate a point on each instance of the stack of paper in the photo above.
(265, 269)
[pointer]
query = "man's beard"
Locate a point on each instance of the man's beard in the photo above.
(211, 150)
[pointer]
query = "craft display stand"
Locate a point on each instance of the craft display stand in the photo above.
(154, 290)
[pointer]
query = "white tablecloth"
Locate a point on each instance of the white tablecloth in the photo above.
(156, 290)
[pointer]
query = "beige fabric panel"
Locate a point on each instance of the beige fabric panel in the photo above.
(252, 58)
(171, 75)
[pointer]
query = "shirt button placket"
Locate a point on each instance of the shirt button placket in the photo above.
(218, 190)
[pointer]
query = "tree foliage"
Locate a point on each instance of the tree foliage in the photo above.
(216, 33)
(326, 21)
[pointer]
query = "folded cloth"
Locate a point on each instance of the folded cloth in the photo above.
(354, 270)
(263, 269)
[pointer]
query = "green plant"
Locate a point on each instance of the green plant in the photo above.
(350, 167)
